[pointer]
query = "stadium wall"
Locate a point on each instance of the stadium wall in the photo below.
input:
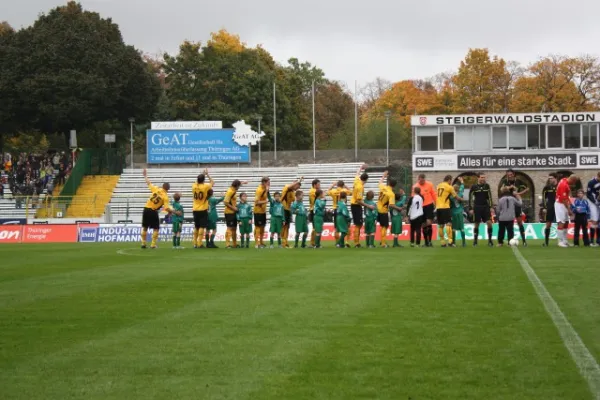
(401, 157)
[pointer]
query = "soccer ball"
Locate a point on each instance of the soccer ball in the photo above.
(514, 242)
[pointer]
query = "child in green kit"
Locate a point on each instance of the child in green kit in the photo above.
(319, 217)
(301, 223)
(213, 217)
(458, 218)
(244, 216)
(370, 219)
(177, 221)
(397, 216)
(276, 211)
(342, 220)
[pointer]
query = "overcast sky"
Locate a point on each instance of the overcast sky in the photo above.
(353, 40)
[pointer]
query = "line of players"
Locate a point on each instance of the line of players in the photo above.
(446, 201)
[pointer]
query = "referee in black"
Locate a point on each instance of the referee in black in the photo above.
(480, 205)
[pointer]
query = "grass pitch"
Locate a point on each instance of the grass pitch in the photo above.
(110, 321)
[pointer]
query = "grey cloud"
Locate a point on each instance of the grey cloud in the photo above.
(357, 40)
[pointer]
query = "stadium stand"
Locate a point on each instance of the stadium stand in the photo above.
(131, 191)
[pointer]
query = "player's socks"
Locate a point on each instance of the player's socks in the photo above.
(450, 234)
(342, 239)
(475, 235)
(178, 241)
(201, 233)
(317, 240)
(207, 238)
(256, 235)
(212, 239)
(337, 236)
(297, 239)
(490, 232)
(285, 232)
(271, 240)
(144, 236)
(522, 232)
(242, 238)
(234, 238)
(384, 236)
(174, 241)
(454, 236)
(592, 235)
(195, 236)
(357, 234)
(279, 240)
(227, 238)
(154, 238)
(313, 238)
(546, 236)
(304, 235)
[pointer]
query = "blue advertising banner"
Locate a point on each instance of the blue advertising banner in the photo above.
(195, 146)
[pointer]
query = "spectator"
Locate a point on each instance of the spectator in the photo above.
(2, 188)
(62, 173)
(56, 160)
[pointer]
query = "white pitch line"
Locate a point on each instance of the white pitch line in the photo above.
(587, 364)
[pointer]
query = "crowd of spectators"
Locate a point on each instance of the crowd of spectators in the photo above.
(33, 174)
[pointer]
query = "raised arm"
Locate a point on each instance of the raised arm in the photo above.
(148, 182)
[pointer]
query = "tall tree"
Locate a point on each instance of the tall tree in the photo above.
(548, 85)
(71, 69)
(479, 83)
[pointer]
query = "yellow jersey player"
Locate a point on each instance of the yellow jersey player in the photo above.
(357, 203)
(288, 195)
(260, 211)
(386, 199)
(231, 210)
(312, 196)
(200, 207)
(445, 192)
(150, 218)
(334, 192)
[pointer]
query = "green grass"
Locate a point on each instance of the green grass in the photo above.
(85, 322)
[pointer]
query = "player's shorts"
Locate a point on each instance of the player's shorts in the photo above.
(428, 211)
(550, 214)
(481, 214)
(212, 224)
(260, 220)
(287, 217)
(593, 210)
(341, 224)
(561, 213)
(200, 219)
(458, 221)
(397, 225)
(231, 220)
(311, 216)
(301, 224)
(370, 225)
(518, 211)
(357, 214)
(245, 226)
(444, 216)
(318, 223)
(177, 226)
(276, 225)
(150, 219)
(383, 219)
